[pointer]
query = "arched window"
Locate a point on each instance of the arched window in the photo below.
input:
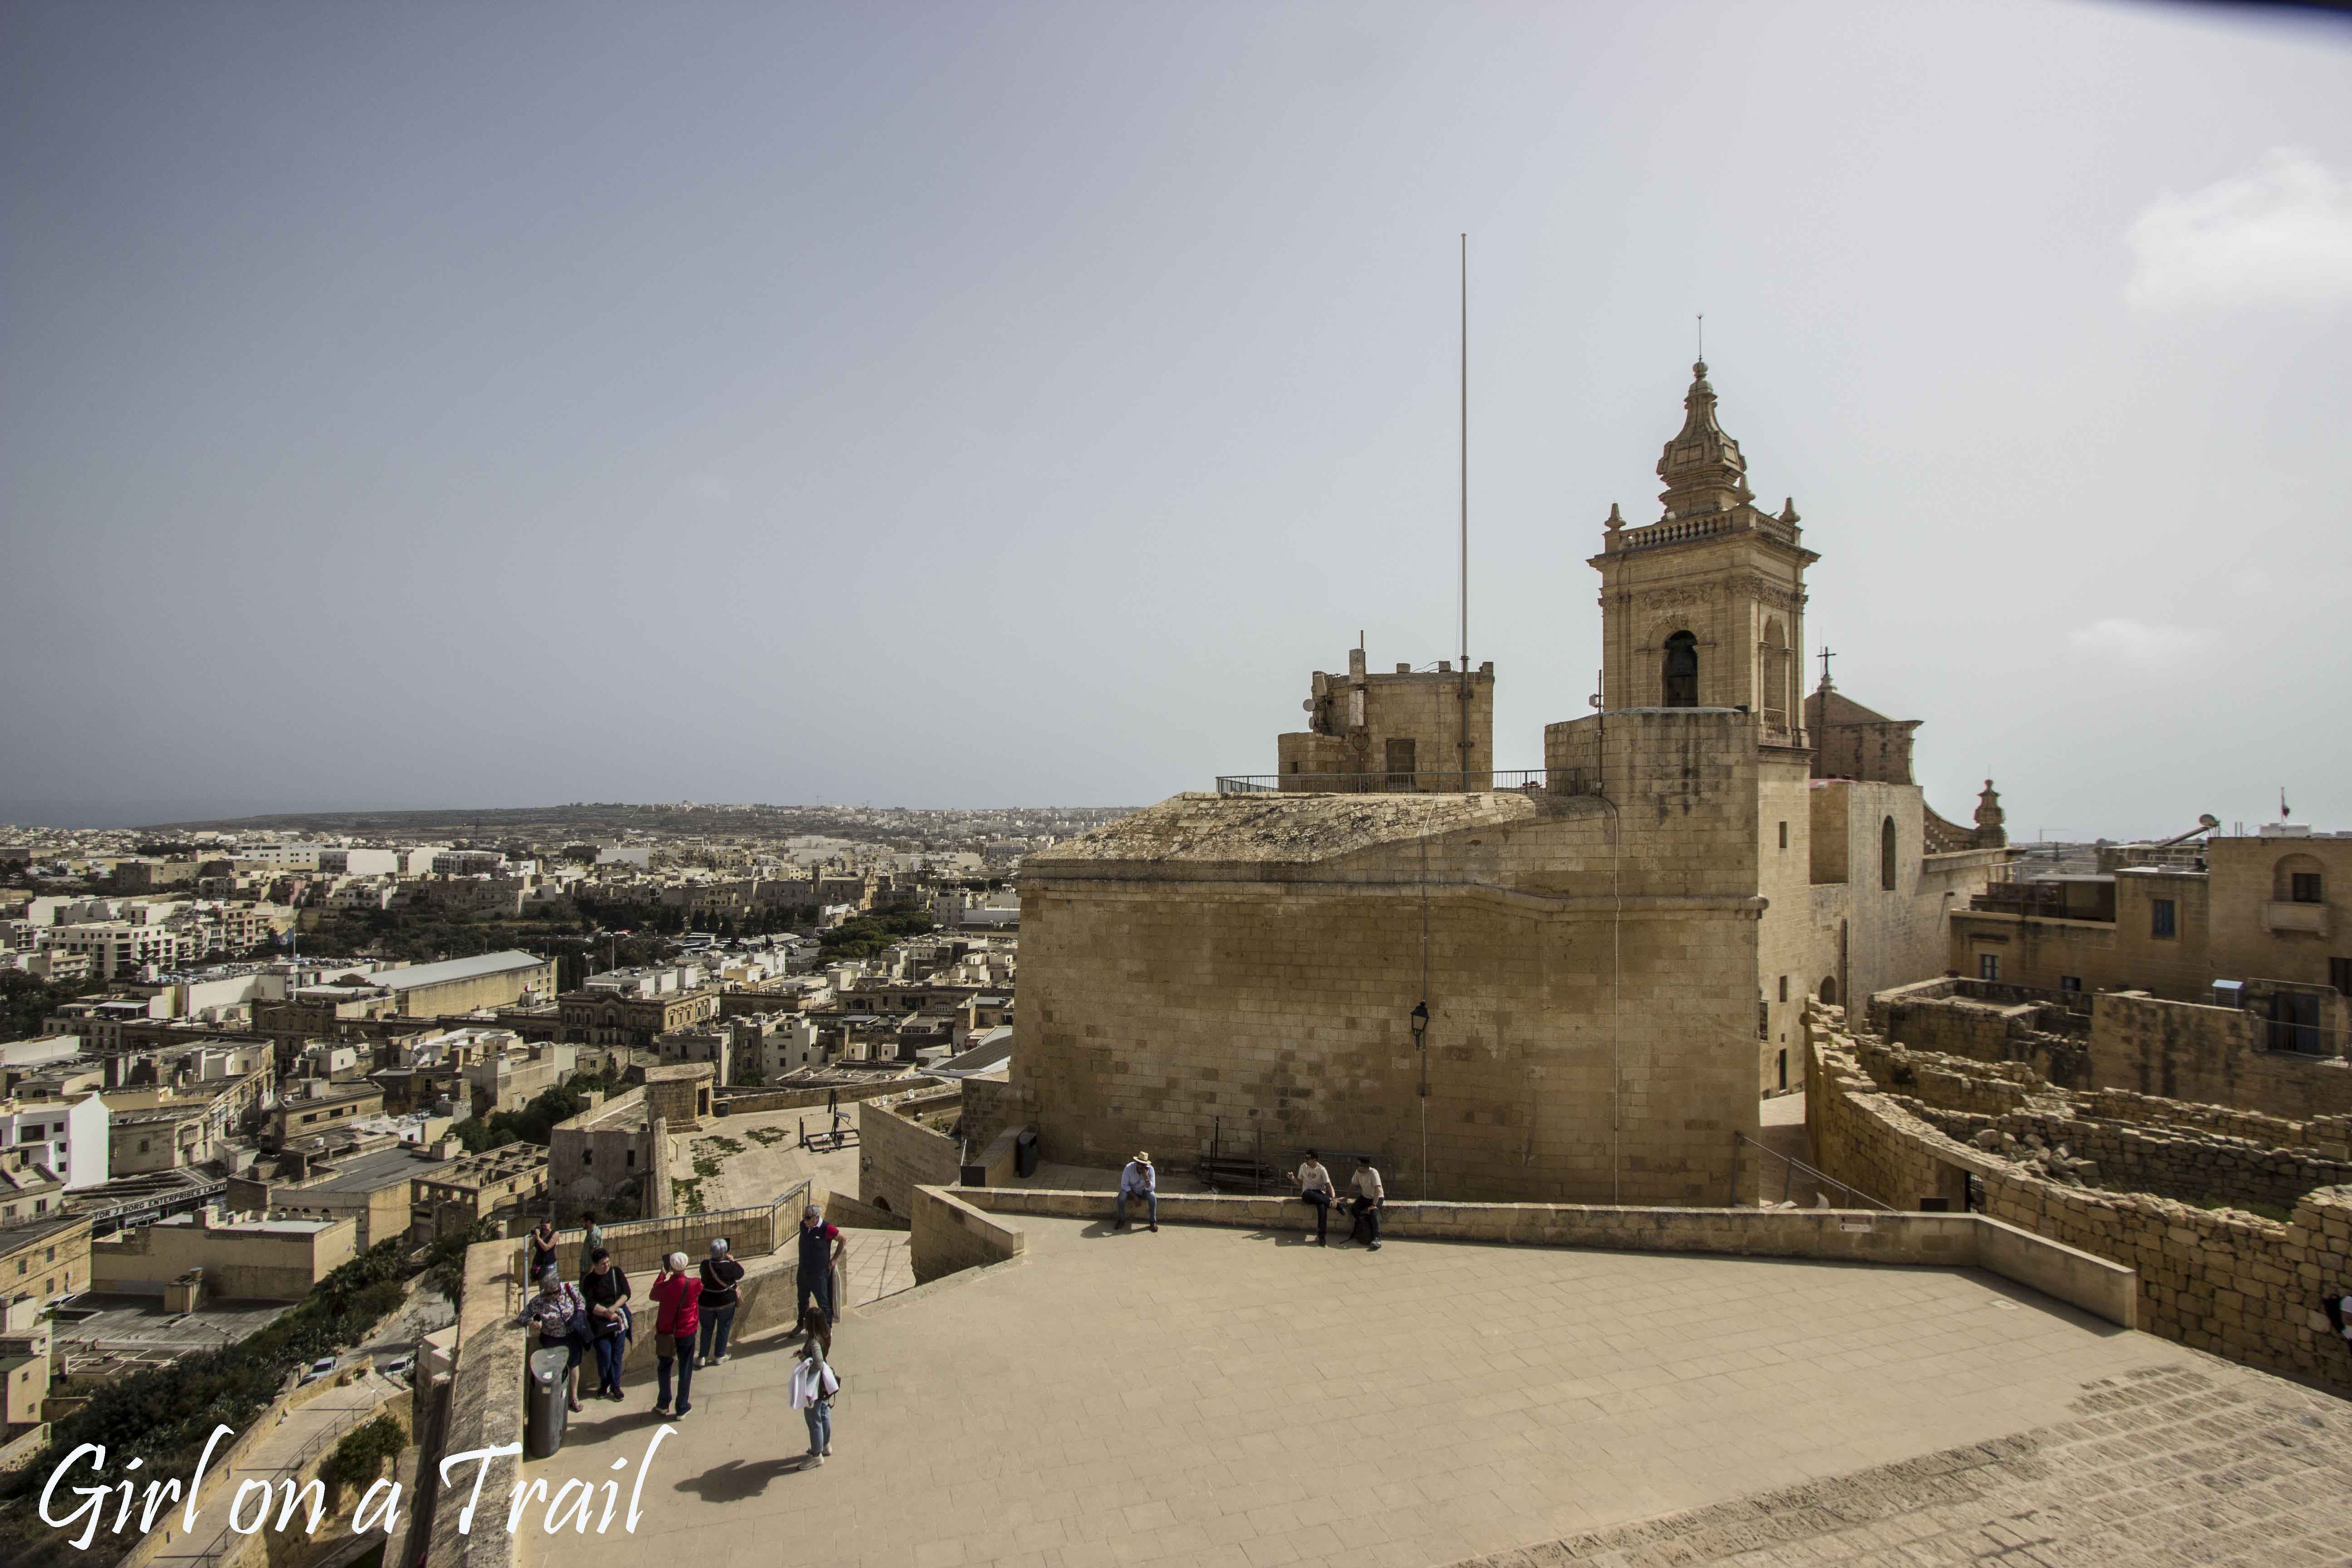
(1680, 682)
(2297, 879)
(1828, 992)
(1887, 854)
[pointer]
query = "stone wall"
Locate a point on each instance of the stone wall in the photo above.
(1247, 967)
(986, 1110)
(2234, 1283)
(2123, 1105)
(949, 1234)
(2185, 1051)
(592, 1157)
(2191, 1165)
(896, 1154)
(1989, 1022)
(748, 1102)
(1956, 1240)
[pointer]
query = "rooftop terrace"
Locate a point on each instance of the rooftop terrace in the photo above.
(1212, 1395)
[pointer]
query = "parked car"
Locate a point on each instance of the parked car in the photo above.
(324, 1367)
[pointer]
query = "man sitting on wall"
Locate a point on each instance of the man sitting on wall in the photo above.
(1139, 1181)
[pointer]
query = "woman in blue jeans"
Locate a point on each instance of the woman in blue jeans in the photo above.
(606, 1289)
(720, 1276)
(814, 1382)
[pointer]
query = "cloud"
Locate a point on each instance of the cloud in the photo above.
(2279, 236)
(2138, 644)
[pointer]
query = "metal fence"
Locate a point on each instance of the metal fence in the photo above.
(1419, 782)
(1793, 1169)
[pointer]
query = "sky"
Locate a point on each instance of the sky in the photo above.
(978, 405)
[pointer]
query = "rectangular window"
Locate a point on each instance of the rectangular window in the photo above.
(1784, 988)
(1988, 966)
(2305, 888)
(2339, 974)
(2161, 921)
(1784, 836)
(2070, 982)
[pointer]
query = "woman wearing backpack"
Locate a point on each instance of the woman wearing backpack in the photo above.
(561, 1314)
(814, 1385)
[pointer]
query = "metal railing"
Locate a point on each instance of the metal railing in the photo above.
(1791, 1169)
(1422, 781)
(221, 1544)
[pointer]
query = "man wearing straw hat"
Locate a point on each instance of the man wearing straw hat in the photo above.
(1139, 1181)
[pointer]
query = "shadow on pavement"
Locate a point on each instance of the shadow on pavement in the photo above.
(735, 1480)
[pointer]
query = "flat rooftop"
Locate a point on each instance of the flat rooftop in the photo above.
(441, 974)
(366, 1173)
(1218, 1396)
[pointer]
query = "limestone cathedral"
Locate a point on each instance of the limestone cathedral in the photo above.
(1572, 990)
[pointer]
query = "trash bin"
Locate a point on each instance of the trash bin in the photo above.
(1025, 1154)
(546, 1401)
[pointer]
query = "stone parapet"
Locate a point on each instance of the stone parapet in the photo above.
(1956, 1240)
(949, 1234)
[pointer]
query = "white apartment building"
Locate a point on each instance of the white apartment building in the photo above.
(119, 947)
(67, 1136)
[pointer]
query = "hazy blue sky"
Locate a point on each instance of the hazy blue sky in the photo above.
(965, 403)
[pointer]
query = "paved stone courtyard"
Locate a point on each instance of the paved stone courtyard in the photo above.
(1226, 1397)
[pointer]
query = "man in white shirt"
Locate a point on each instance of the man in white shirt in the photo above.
(1315, 1187)
(1139, 1181)
(1366, 1205)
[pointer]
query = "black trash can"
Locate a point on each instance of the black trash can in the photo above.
(1025, 1154)
(547, 1400)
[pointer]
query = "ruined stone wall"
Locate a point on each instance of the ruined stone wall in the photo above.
(2182, 1050)
(2229, 1283)
(1986, 1023)
(2195, 1167)
(2123, 1105)
(2196, 1153)
(1952, 1024)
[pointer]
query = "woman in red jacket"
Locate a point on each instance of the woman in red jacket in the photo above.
(680, 1296)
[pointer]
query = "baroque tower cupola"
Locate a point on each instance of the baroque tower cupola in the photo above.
(1702, 466)
(1705, 608)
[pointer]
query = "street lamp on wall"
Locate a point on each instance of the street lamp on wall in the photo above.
(1420, 1032)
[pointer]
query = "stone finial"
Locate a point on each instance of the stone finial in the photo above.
(1788, 511)
(1990, 833)
(1616, 518)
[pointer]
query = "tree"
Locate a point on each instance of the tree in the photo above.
(360, 1458)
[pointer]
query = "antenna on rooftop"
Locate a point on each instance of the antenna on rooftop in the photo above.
(1702, 334)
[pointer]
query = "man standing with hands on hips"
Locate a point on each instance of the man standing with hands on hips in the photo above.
(822, 1251)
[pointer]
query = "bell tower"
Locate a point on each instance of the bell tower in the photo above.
(1705, 608)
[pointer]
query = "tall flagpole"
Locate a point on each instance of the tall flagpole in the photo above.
(1462, 700)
